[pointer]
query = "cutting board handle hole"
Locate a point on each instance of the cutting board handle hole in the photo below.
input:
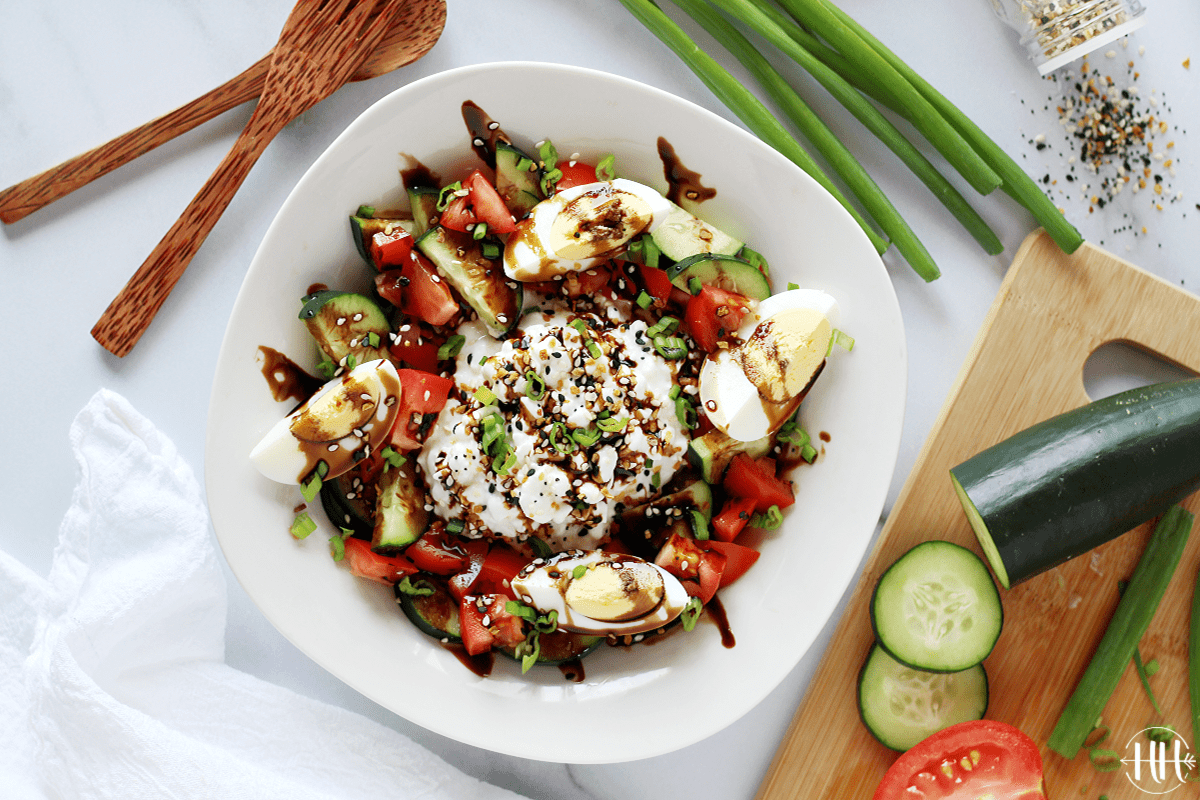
(1118, 366)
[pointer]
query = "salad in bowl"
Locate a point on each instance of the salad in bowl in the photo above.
(565, 396)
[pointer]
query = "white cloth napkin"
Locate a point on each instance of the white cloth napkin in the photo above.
(112, 675)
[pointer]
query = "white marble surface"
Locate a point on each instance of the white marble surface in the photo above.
(73, 74)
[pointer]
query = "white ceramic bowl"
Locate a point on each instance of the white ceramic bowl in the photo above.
(634, 702)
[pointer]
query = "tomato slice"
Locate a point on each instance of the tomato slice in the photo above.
(488, 205)
(574, 173)
(733, 518)
(390, 249)
(486, 623)
(755, 478)
(438, 552)
(421, 394)
(967, 761)
(366, 563)
(738, 559)
(714, 314)
(586, 283)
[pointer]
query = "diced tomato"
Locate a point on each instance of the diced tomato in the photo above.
(738, 559)
(747, 477)
(733, 518)
(417, 288)
(658, 284)
(438, 552)
(587, 283)
(390, 249)
(981, 758)
(478, 202)
(462, 583)
(366, 563)
(689, 559)
(574, 173)
(422, 393)
(499, 568)
(488, 204)
(486, 623)
(417, 346)
(714, 314)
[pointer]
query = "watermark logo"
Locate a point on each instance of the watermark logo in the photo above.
(1158, 760)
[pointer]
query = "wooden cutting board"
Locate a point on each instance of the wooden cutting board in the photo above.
(1026, 365)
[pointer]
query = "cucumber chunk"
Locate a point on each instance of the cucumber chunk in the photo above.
(724, 272)
(400, 515)
(683, 234)
(346, 324)
(480, 281)
(936, 609)
(517, 179)
(434, 613)
(901, 706)
(711, 452)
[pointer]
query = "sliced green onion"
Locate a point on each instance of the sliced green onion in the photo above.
(312, 487)
(578, 572)
(366, 212)
(1144, 676)
(393, 458)
(557, 430)
(842, 340)
(755, 259)
(327, 368)
(455, 526)
(1105, 760)
(691, 613)
(664, 327)
(510, 461)
(685, 412)
(612, 424)
(644, 299)
(303, 525)
(485, 396)
(417, 588)
(479, 230)
(550, 179)
(447, 194)
(699, 524)
(493, 431)
(1129, 622)
(535, 385)
(670, 347)
(547, 154)
(337, 545)
(1160, 733)
(770, 520)
(695, 285)
(586, 437)
(372, 339)
(452, 347)
(490, 249)
(606, 170)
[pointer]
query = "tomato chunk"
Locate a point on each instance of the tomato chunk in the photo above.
(486, 623)
(463, 583)
(751, 478)
(574, 173)
(390, 248)
(417, 288)
(738, 559)
(658, 284)
(733, 518)
(421, 394)
(488, 204)
(713, 315)
(689, 560)
(499, 568)
(366, 563)
(438, 552)
(981, 758)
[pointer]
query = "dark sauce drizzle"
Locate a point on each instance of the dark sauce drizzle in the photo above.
(683, 184)
(485, 132)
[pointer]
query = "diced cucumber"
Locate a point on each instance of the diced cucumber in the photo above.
(722, 271)
(936, 609)
(688, 512)
(362, 229)
(346, 324)
(683, 234)
(712, 452)
(480, 281)
(901, 706)
(349, 503)
(517, 179)
(400, 515)
(423, 201)
(434, 613)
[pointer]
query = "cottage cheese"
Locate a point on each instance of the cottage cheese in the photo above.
(564, 493)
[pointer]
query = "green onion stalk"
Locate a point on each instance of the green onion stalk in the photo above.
(816, 131)
(743, 104)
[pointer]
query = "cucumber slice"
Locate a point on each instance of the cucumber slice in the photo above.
(517, 179)
(936, 609)
(724, 272)
(901, 706)
(435, 614)
(480, 281)
(348, 502)
(342, 323)
(683, 234)
(400, 515)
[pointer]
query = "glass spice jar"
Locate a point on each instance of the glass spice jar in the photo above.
(1056, 32)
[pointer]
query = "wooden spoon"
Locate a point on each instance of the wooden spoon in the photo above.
(322, 44)
(414, 31)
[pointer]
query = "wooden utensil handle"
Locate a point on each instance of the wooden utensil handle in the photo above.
(22, 199)
(133, 309)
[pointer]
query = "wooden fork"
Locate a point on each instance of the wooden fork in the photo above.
(321, 45)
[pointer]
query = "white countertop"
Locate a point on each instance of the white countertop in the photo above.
(72, 76)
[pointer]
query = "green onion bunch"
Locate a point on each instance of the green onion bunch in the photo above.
(862, 74)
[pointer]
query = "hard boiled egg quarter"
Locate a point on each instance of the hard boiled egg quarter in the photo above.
(601, 593)
(340, 424)
(749, 390)
(580, 227)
